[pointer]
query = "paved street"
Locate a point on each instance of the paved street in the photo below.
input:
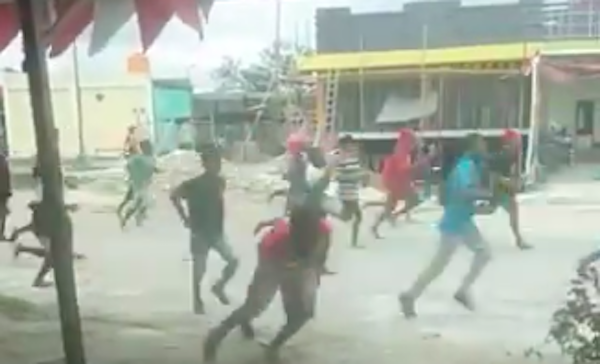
(134, 292)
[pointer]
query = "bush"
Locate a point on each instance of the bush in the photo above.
(576, 326)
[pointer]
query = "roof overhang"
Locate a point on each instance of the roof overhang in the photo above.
(415, 59)
(429, 134)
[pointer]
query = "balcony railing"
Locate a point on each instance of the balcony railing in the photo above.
(572, 20)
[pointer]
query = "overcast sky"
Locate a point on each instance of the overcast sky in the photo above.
(237, 28)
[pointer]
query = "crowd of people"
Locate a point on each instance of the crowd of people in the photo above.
(293, 248)
(293, 252)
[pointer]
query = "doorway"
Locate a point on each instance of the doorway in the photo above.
(584, 121)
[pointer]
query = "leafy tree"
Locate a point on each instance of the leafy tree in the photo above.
(229, 75)
(576, 325)
(273, 76)
(259, 76)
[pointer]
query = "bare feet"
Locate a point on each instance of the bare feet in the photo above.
(271, 353)
(523, 245)
(375, 232)
(247, 331)
(464, 300)
(42, 284)
(16, 250)
(219, 291)
(327, 272)
(407, 305)
(211, 345)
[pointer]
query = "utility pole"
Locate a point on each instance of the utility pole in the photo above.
(78, 106)
(48, 156)
(277, 44)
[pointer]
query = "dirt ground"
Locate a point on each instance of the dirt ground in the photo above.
(134, 292)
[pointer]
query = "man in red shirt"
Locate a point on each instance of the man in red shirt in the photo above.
(397, 178)
(290, 260)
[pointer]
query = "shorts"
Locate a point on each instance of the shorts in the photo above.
(351, 208)
(201, 244)
(468, 235)
(503, 199)
(297, 286)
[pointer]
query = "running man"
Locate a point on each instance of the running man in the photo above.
(457, 227)
(41, 228)
(289, 263)
(141, 168)
(397, 177)
(205, 218)
(506, 181)
(350, 176)
(131, 147)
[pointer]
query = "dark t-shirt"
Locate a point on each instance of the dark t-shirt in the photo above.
(204, 198)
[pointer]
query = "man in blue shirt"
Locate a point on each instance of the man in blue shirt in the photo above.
(463, 190)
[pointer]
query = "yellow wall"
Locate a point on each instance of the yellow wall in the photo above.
(105, 118)
(437, 57)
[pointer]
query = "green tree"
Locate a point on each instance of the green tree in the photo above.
(272, 72)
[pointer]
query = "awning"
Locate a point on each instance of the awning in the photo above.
(399, 109)
(72, 17)
(571, 69)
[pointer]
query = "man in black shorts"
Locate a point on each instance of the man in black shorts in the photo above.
(204, 218)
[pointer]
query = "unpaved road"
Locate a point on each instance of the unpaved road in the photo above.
(134, 293)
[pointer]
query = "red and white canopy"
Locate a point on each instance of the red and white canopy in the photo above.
(71, 17)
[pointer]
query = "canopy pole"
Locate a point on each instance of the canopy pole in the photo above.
(48, 157)
(531, 157)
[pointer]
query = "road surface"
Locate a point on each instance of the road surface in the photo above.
(134, 292)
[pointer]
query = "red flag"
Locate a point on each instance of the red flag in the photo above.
(188, 12)
(153, 15)
(206, 7)
(9, 24)
(69, 26)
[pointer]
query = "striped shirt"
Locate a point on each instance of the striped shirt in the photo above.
(349, 175)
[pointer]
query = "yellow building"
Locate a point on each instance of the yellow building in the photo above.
(472, 87)
(108, 106)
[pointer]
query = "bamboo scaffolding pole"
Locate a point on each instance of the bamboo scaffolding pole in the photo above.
(422, 74)
(361, 88)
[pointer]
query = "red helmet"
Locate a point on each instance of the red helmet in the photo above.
(295, 143)
(405, 141)
(511, 135)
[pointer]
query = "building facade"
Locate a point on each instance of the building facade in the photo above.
(108, 106)
(451, 69)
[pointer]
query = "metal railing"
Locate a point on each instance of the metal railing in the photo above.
(572, 20)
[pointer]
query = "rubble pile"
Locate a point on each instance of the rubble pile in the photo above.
(177, 166)
(259, 177)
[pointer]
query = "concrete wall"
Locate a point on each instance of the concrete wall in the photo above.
(560, 102)
(109, 106)
(448, 24)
